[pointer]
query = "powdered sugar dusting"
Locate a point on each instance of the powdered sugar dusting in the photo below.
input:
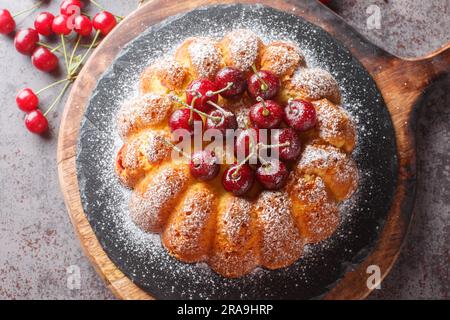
(237, 218)
(281, 244)
(139, 254)
(332, 165)
(280, 57)
(205, 57)
(243, 47)
(171, 73)
(148, 210)
(144, 111)
(316, 84)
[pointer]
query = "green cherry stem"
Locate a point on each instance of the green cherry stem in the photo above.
(239, 166)
(191, 113)
(52, 85)
(45, 45)
(74, 70)
(66, 60)
(195, 110)
(215, 105)
(98, 5)
(270, 146)
(266, 111)
(37, 5)
(74, 50)
(211, 93)
(58, 97)
(174, 147)
(88, 45)
(264, 85)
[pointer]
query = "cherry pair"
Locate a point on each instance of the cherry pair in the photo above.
(229, 83)
(216, 118)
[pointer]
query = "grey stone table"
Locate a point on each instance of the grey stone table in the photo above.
(40, 257)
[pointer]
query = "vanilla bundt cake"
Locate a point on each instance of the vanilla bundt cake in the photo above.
(240, 215)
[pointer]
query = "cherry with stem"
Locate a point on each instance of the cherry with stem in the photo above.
(175, 98)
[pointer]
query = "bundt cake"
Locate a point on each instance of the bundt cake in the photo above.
(240, 215)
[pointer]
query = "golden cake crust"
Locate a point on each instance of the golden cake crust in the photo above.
(235, 250)
(162, 76)
(334, 125)
(141, 113)
(314, 208)
(241, 49)
(282, 58)
(311, 84)
(199, 221)
(336, 168)
(202, 56)
(191, 226)
(152, 201)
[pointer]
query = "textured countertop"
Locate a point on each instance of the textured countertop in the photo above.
(40, 254)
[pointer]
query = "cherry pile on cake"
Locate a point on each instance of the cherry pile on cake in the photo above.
(237, 215)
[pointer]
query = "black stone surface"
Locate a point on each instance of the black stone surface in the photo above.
(325, 263)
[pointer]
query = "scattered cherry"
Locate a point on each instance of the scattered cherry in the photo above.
(61, 24)
(83, 26)
(266, 114)
(27, 100)
(36, 122)
(44, 60)
(7, 23)
(272, 175)
(204, 165)
(26, 41)
(230, 75)
(104, 22)
(300, 115)
(290, 136)
(203, 90)
(238, 179)
(246, 142)
(263, 84)
(68, 7)
(181, 119)
(43, 23)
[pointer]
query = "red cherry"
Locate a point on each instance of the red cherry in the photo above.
(26, 41)
(204, 165)
(61, 25)
(263, 84)
(300, 115)
(43, 23)
(246, 142)
(181, 119)
(83, 26)
(238, 179)
(44, 60)
(220, 121)
(104, 22)
(68, 7)
(230, 75)
(7, 23)
(325, 2)
(36, 122)
(292, 151)
(27, 100)
(266, 114)
(272, 175)
(204, 90)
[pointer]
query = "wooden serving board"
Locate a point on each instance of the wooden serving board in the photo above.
(401, 83)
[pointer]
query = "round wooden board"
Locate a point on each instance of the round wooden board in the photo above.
(401, 83)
